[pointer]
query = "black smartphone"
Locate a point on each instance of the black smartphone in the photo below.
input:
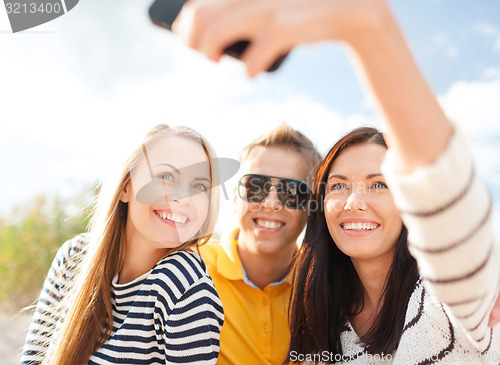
(164, 12)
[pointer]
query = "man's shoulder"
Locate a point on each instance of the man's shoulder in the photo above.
(211, 251)
(221, 258)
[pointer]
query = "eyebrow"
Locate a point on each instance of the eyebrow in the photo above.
(178, 172)
(169, 165)
(204, 179)
(342, 177)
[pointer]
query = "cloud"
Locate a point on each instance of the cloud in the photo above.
(440, 38)
(489, 30)
(491, 73)
(485, 28)
(474, 107)
(474, 104)
(441, 43)
(451, 51)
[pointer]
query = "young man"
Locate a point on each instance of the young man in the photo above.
(249, 267)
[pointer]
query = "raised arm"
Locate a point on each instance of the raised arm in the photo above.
(386, 64)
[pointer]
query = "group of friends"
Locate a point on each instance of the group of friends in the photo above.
(397, 264)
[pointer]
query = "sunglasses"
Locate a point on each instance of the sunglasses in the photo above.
(292, 193)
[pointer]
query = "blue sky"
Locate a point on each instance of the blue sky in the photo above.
(77, 93)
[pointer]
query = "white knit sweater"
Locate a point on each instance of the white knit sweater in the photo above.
(448, 213)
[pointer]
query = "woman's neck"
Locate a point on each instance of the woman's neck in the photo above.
(140, 257)
(373, 275)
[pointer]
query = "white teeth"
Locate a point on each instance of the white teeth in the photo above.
(359, 226)
(268, 224)
(173, 217)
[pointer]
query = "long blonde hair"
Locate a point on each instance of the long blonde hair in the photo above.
(89, 319)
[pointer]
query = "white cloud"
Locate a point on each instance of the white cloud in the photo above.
(451, 51)
(474, 105)
(441, 43)
(489, 30)
(485, 28)
(475, 108)
(491, 73)
(440, 38)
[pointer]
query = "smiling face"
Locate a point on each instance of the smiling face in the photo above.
(359, 209)
(168, 197)
(267, 227)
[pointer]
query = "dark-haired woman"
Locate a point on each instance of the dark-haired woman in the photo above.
(358, 295)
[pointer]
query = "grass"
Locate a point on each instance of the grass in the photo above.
(29, 239)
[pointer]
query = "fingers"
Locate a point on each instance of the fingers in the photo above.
(192, 19)
(263, 51)
(242, 24)
(494, 317)
(210, 26)
(495, 314)
(272, 27)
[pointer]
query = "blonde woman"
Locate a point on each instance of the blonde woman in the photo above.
(132, 291)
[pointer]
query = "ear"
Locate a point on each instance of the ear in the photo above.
(125, 194)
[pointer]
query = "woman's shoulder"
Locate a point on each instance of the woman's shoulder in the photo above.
(72, 250)
(76, 244)
(181, 278)
(183, 267)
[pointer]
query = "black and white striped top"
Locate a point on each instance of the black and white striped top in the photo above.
(170, 315)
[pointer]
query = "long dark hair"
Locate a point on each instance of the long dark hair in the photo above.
(327, 290)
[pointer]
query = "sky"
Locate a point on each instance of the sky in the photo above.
(78, 93)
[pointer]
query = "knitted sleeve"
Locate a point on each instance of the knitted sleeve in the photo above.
(448, 213)
(46, 317)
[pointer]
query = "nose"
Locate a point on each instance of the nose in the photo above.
(179, 192)
(271, 201)
(355, 202)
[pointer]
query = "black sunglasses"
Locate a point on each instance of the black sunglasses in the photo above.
(292, 193)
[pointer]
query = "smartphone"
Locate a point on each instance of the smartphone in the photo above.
(164, 12)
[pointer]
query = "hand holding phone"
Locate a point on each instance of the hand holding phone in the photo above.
(164, 12)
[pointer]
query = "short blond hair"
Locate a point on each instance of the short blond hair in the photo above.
(287, 137)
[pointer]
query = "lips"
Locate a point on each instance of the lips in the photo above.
(170, 217)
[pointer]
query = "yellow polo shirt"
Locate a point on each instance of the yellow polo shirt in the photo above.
(255, 330)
